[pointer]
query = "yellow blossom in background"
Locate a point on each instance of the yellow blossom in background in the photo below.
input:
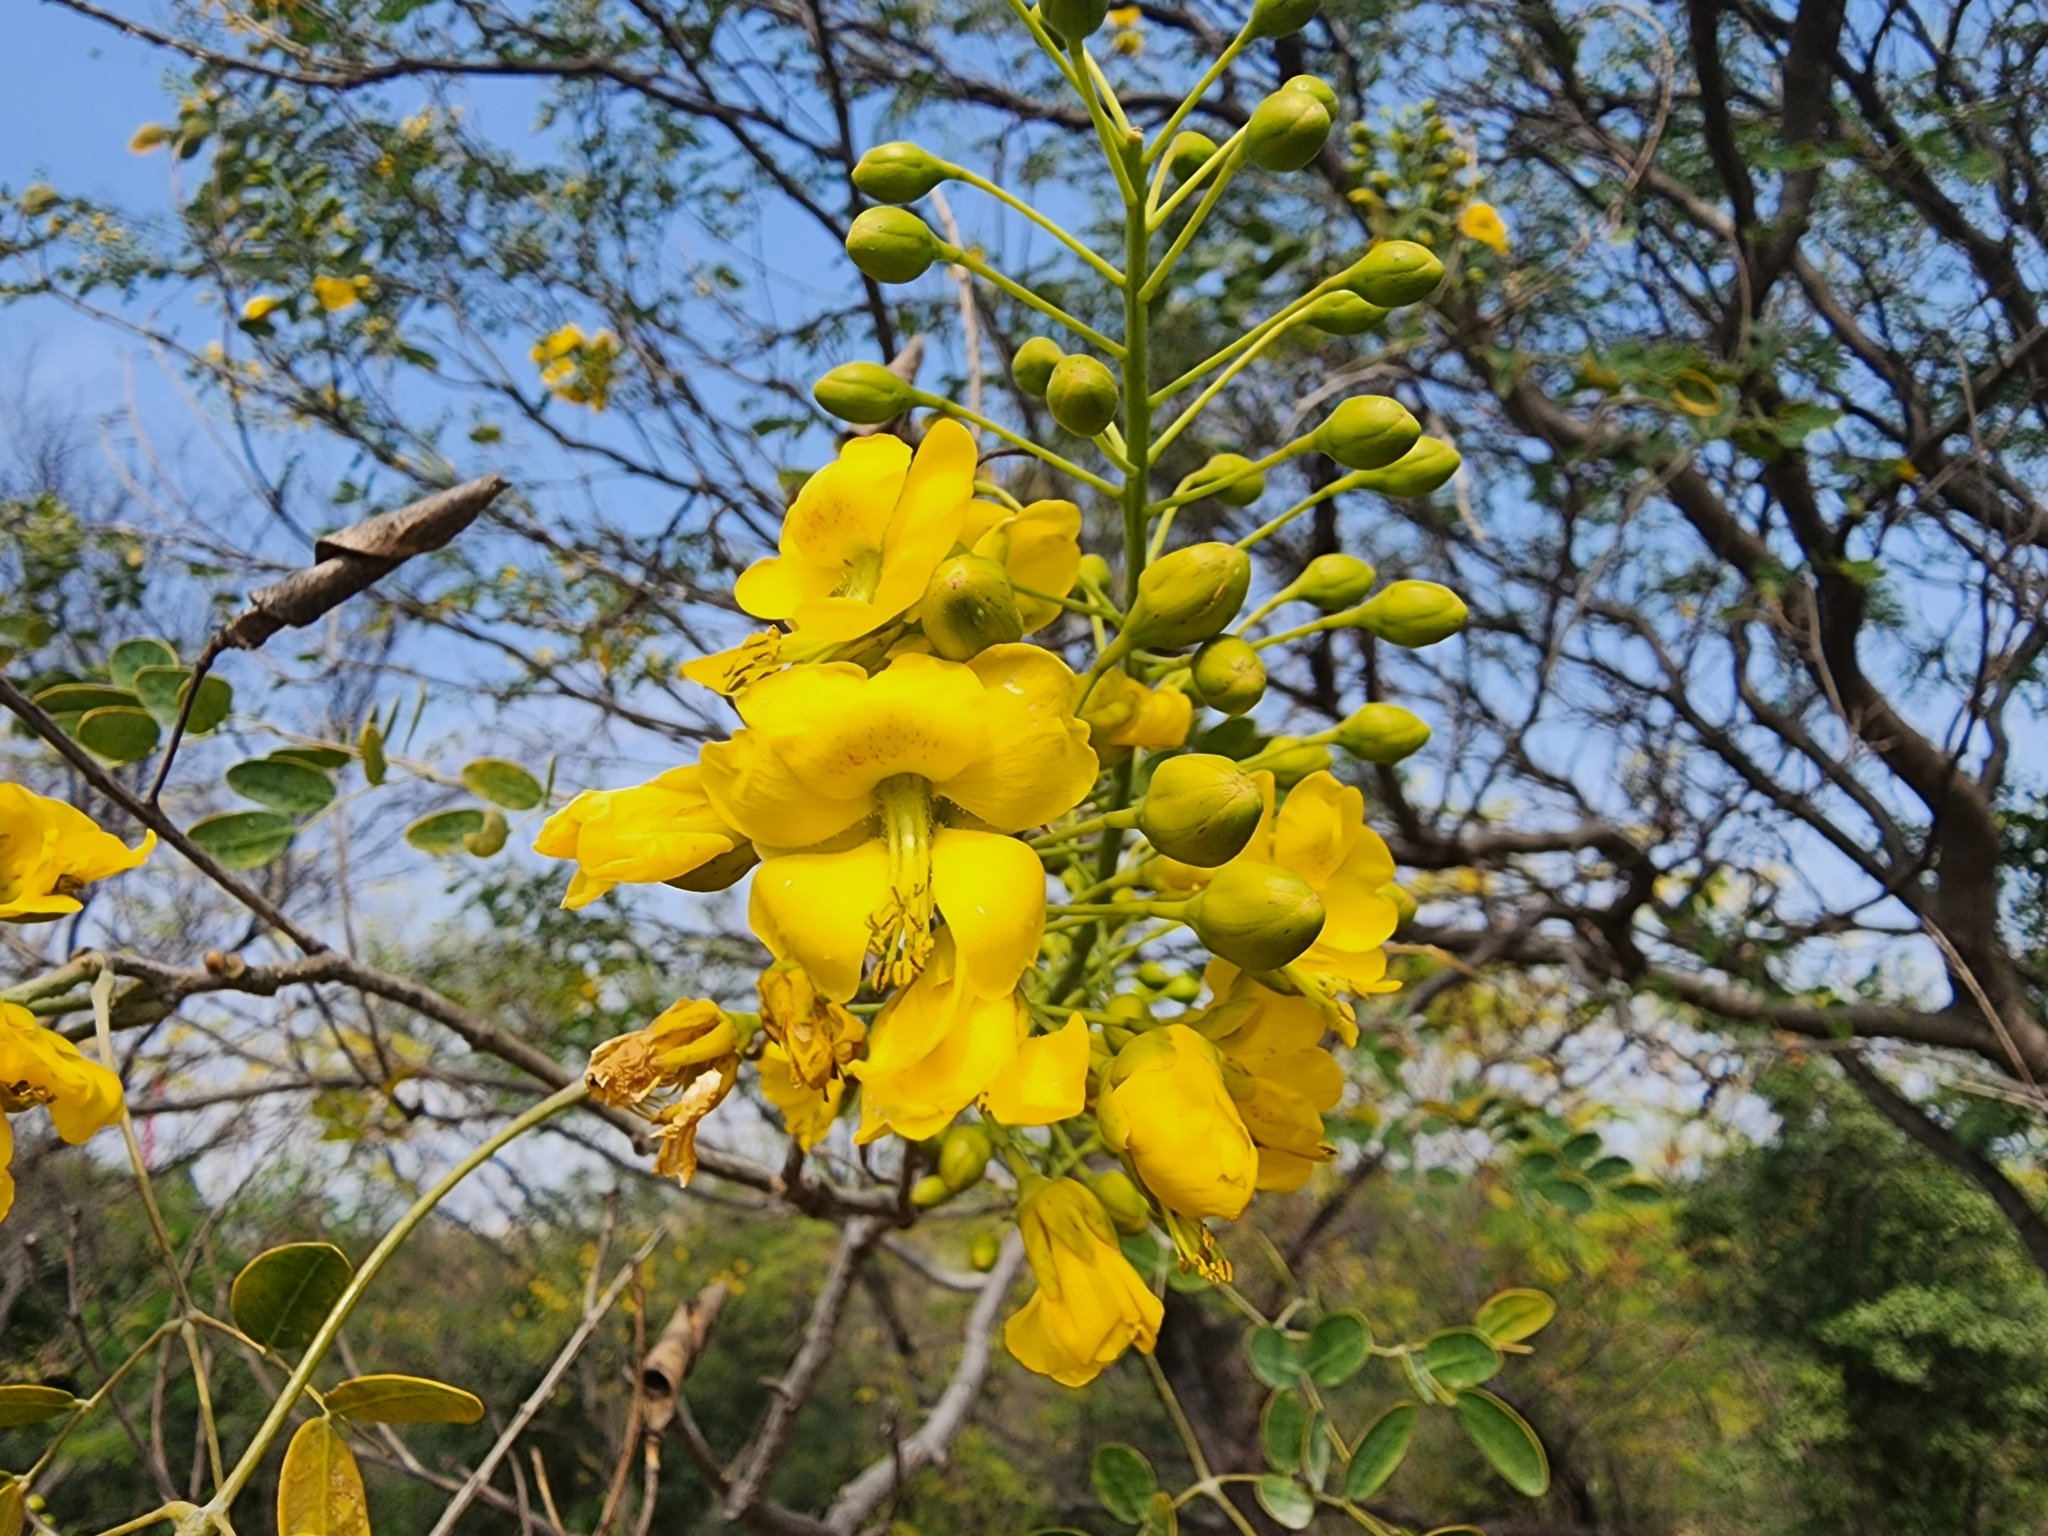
(1128, 34)
(260, 306)
(1046, 1082)
(1278, 1074)
(660, 831)
(49, 850)
(936, 1048)
(1480, 221)
(339, 294)
(1091, 1305)
(674, 1072)
(149, 138)
(1167, 1108)
(578, 368)
(40, 1067)
(1122, 713)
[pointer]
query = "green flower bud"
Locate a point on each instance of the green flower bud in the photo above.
(964, 1155)
(1368, 432)
(901, 172)
(1095, 572)
(1335, 582)
(1382, 733)
(1201, 809)
(1125, 1202)
(1188, 153)
(969, 606)
(983, 1252)
(1228, 675)
(1286, 131)
(1189, 596)
(1398, 895)
(864, 393)
(1259, 917)
(892, 245)
(1290, 760)
(1417, 472)
(1345, 314)
(1281, 18)
(1184, 988)
(1395, 272)
(1033, 365)
(1241, 491)
(1083, 395)
(1414, 613)
(929, 1191)
(1316, 86)
(1074, 19)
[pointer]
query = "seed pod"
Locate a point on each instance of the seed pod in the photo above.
(1417, 472)
(1241, 491)
(892, 245)
(964, 1155)
(1345, 314)
(969, 606)
(1286, 131)
(929, 1191)
(1033, 365)
(1316, 86)
(864, 393)
(1335, 582)
(1201, 809)
(1368, 432)
(1188, 153)
(1125, 1202)
(1281, 18)
(1395, 272)
(983, 1252)
(1074, 19)
(1083, 395)
(1414, 614)
(1228, 675)
(1382, 733)
(1189, 596)
(901, 172)
(1257, 916)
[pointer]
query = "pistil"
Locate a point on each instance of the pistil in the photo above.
(902, 925)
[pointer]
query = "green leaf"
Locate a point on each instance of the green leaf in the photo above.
(131, 656)
(282, 784)
(404, 1400)
(1379, 1451)
(1336, 1348)
(502, 783)
(1161, 1517)
(326, 759)
(1319, 1450)
(1511, 1316)
(1286, 1501)
(1638, 1192)
(162, 691)
(1276, 1359)
(1283, 1430)
(120, 734)
(1505, 1439)
(77, 698)
(28, 1404)
(443, 831)
(1566, 1195)
(1124, 1481)
(281, 1297)
(1582, 1148)
(13, 1508)
(243, 839)
(319, 1488)
(1608, 1169)
(1460, 1357)
(370, 743)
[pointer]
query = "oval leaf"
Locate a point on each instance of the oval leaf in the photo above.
(443, 831)
(1512, 1316)
(1276, 1359)
(1637, 1192)
(121, 734)
(1505, 1439)
(1582, 1148)
(404, 1400)
(31, 1404)
(1282, 1429)
(1124, 1481)
(281, 1297)
(77, 698)
(282, 784)
(1336, 1348)
(131, 656)
(502, 783)
(1566, 1195)
(13, 1509)
(370, 743)
(319, 1489)
(1460, 1357)
(1286, 1501)
(1607, 1169)
(243, 839)
(162, 691)
(1379, 1452)
(1161, 1517)
(326, 759)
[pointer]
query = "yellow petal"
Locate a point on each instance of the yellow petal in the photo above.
(1315, 826)
(991, 892)
(1039, 765)
(1032, 1344)
(755, 792)
(1047, 1081)
(919, 1097)
(834, 529)
(807, 1113)
(813, 908)
(842, 732)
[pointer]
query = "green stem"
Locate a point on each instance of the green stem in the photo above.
(106, 1389)
(1181, 241)
(1242, 361)
(961, 173)
(1063, 465)
(1193, 99)
(1283, 316)
(1023, 295)
(1215, 165)
(1350, 482)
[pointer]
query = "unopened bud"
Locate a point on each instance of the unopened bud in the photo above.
(892, 245)
(1368, 432)
(1083, 395)
(39, 197)
(1286, 131)
(1125, 1202)
(1074, 19)
(1189, 596)
(983, 1252)
(1395, 272)
(964, 1155)
(1259, 917)
(1344, 314)
(1228, 675)
(901, 172)
(1316, 86)
(1281, 18)
(721, 873)
(929, 1191)
(969, 606)
(1414, 613)
(1094, 571)
(1227, 472)
(1403, 902)
(1188, 153)
(1033, 365)
(1334, 582)
(864, 393)
(1201, 809)
(488, 840)
(1382, 733)
(1417, 472)
(1290, 760)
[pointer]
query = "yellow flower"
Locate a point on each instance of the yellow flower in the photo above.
(1040, 547)
(337, 294)
(1123, 713)
(816, 1035)
(881, 766)
(807, 1113)
(936, 1048)
(1480, 221)
(148, 138)
(39, 1066)
(660, 831)
(48, 850)
(1278, 1075)
(865, 534)
(1090, 1305)
(260, 305)
(1046, 1082)
(1166, 1107)
(576, 367)
(675, 1072)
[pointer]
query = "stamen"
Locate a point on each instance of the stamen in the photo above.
(862, 576)
(900, 928)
